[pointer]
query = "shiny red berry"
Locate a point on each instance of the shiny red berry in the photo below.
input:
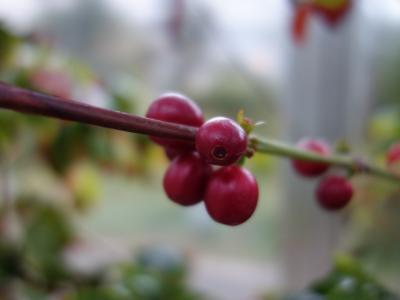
(221, 141)
(334, 192)
(231, 195)
(393, 154)
(185, 179)
(175, 108)
(309, 168)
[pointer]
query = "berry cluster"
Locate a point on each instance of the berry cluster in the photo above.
(230, 192)
(333, 192)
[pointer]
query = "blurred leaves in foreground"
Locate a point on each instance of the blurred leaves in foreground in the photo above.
(347, 281)
(34, 266)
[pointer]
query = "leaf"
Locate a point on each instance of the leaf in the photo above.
(246, 123)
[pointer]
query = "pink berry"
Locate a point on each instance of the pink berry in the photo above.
(334, 192)
(52, 82)
(185, 179)
(175, 108)
(231, 195)
(221, 141)
(393, 154)
(309, 168)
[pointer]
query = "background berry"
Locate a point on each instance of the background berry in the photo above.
(334, 192)
(332, 14)
(231, 195)
(185, 179)
(309, 168)
(175, 108)
(393, 155)
(221, 141)
(55, 83)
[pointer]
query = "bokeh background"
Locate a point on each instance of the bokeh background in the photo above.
(84, 215)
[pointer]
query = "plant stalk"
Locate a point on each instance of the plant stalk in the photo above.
(26, 101)
(354, 165)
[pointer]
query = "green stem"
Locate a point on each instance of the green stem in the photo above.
(344, 161)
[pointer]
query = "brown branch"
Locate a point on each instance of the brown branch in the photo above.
(27, 101)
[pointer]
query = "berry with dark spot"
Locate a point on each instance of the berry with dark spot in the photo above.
(221, 141)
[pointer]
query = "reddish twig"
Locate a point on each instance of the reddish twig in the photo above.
(27, 101)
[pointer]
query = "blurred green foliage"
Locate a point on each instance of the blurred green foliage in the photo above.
(373, 234)
(37, 230)
(8, 42)
(347, 281)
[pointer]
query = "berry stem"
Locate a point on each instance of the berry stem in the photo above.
(26, 101)
(352, 164)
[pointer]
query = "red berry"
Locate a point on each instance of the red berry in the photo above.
(334, 192)
(300, 22)
(175, 108)
(221, 141)
(333, 15)
(309, 168)
(185, 179)
(231, 195)
(171, 153)
(393, 155)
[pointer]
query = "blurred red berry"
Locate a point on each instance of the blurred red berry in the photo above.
(221, 141)
(52, 82)
(175, 108)
(231, 195)
(309, 168)
(300, 22)
(335, 14)
(393, 154)
(185, 179)
(334, 192)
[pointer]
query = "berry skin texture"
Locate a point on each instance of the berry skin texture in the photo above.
(175, 108)
(221, 141)
(186, 178)
(171, 153)
(334, 192)
(309, 168)
(393, 155)
(231, 195)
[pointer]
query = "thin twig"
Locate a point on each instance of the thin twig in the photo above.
(355, 165)
(27, 101)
